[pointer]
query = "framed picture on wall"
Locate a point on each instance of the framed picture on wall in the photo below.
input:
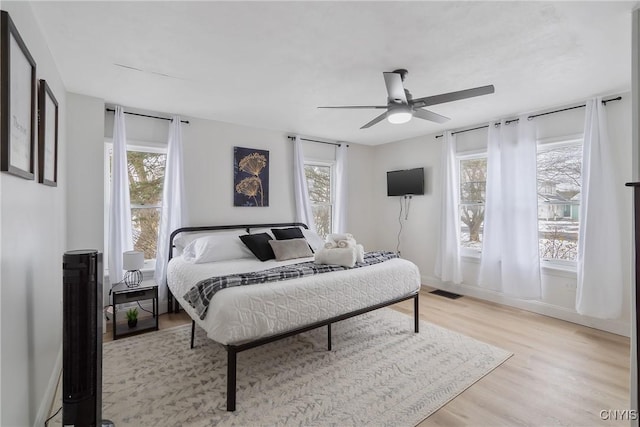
(47, 136)
(250, 177)
(17, 102)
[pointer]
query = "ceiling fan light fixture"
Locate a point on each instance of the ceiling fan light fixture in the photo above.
(400, 114)
(401, 106)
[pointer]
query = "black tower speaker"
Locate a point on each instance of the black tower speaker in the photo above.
(82, 338)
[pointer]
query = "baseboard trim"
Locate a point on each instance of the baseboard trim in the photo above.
(46, 405)
(614, 326)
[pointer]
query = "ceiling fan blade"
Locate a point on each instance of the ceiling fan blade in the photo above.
(374, 121)
(429, 115)
(452, 96)
(360, 106)
(395, 88)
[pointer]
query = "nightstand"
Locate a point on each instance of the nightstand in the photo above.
(122, 295)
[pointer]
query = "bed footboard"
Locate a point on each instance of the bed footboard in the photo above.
(233, 350)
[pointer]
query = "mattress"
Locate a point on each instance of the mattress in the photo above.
(246, 313)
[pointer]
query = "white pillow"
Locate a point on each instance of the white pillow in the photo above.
(221, 247)
(261, 230)
(182, 240)
(315, 241)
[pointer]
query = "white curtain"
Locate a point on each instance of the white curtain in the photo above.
(174, 204)
(448, 257)
(510, 258)
(120, 235)
(304, 213)
(600, 285)
(341, 200)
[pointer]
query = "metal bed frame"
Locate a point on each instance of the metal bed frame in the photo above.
(234, 349)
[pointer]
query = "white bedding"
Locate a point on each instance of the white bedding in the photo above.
(246, 313)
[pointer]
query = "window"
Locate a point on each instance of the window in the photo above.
(146, 178)
(320, 184)
(473, 182)
(559, 178)
(559, 174)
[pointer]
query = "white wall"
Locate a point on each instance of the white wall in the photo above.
(420, 232)
(32, 229)
(416, 240)
(208, 150)
(85, 180)
(361, 220)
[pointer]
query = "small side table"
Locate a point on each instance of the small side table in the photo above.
(123, 294)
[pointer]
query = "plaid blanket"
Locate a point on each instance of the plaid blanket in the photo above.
(201, 294)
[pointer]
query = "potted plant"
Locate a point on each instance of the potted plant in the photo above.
(132, 317)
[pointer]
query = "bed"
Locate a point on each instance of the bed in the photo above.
(245, 317)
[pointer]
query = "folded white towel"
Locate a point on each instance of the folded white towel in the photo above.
(336, 237)
(345, 257)
(359, 253)
(330, 245)
(347, 243)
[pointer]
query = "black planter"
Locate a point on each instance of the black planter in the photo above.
(132, 323)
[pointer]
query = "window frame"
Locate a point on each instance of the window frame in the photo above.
(550, 144)
(132, 145)
(468, 155)
(546, 144)
(331, 165)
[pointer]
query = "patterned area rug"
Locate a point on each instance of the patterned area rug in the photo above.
(378, 373)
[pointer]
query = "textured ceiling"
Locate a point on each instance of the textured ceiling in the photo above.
(270, 64)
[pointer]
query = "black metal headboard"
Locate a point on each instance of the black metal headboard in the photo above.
(245, 227)
(173, 305)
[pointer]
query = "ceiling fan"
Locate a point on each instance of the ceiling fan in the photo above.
(401, 106)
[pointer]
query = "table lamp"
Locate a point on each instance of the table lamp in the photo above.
(133, 261)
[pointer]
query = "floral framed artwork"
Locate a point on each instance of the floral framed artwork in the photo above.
(250, 177)
(17, 102)
(47, 136)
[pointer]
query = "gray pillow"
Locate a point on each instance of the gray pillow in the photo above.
(290, 249)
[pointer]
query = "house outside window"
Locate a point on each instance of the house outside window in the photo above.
(320, 185)
(146, 178)
(559, 191)
(559, 175)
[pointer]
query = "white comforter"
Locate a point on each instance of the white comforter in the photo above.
(246, 313)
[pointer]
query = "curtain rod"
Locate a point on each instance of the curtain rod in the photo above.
(533, 116)
(146, 115)
(337, 144)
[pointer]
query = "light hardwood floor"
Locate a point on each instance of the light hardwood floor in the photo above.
(561, 374)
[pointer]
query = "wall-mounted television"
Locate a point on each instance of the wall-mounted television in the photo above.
(403, 182)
